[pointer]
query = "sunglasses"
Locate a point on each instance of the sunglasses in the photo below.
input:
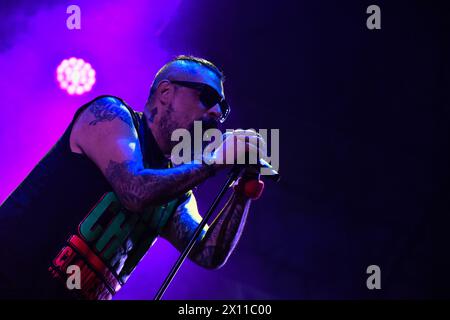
(209, 97)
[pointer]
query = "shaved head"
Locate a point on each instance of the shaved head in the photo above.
(172, 106)
(187, 68)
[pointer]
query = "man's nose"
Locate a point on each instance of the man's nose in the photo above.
(214, 112)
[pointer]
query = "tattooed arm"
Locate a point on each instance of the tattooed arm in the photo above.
(216, 242)
(104, 133)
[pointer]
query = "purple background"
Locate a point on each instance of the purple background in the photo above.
(363, 117)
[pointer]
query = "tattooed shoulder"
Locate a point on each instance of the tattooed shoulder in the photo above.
(108, 109)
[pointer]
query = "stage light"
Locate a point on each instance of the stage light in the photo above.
(75, 76)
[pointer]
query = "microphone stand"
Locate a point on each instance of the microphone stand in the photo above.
(232, 176)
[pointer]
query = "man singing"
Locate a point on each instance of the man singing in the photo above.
(101, 196)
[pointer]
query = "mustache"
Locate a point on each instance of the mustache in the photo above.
(209, 124)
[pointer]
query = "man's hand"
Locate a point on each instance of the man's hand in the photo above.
(251, 173)
(249, 183)
(244, 147)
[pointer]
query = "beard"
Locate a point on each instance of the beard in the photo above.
(207, 123)
(169, 125)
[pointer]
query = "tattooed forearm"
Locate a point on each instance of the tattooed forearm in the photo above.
(108, 109)
(183, 225)
(137, 187)
(223, 234)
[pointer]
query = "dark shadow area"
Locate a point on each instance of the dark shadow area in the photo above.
(363, 118)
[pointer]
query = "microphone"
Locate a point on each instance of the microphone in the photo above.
(274, 175)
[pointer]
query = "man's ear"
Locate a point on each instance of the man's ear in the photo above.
(165, 90)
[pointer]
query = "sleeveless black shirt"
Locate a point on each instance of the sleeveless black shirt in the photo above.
(63, 232)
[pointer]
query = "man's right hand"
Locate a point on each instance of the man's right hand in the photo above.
(244, 147)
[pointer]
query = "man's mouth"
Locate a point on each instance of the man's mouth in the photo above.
(209, 124)
(206, 124)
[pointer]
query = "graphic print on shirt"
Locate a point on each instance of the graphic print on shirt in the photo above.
(109, 244)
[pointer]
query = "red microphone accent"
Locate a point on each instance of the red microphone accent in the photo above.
(251, 188)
